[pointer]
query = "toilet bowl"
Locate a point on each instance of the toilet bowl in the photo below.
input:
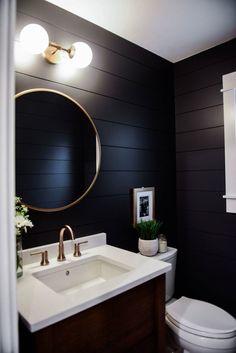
(196, 326)
(200, 327)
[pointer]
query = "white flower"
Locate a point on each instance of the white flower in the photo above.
(21, 217)
(22, 222)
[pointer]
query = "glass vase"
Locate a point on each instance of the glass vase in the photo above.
(19, 257)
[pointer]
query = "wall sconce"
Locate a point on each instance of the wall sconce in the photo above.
(35, 40)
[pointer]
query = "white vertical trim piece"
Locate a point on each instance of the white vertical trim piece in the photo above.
(8, 308)
(234, 113)
(229, 95)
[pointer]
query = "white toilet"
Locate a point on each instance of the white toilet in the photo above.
(196, 326)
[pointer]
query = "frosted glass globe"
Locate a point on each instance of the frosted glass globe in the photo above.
(34, 38)
(83, 54)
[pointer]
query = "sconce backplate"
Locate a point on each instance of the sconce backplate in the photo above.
(54, 55)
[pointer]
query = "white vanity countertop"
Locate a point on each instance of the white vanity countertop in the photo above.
(40, 306)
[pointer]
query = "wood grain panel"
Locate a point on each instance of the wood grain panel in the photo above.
(113, 325)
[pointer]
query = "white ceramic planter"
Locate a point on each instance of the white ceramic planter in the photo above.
(148, 247)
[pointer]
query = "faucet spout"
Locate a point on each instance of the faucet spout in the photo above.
(61, 255)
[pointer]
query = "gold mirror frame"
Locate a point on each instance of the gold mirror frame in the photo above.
(98, 150)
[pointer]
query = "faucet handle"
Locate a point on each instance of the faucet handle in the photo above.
(44, 257)
(77, 252)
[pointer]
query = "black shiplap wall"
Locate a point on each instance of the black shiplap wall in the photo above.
(206, 233)
(129, 94)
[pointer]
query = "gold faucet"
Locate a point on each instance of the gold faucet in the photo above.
(61, 255)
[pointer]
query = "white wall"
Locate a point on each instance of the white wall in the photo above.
(8, 310)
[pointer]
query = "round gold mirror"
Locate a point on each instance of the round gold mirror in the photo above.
(58, 151)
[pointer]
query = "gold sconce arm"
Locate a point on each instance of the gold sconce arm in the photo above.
(54, 53)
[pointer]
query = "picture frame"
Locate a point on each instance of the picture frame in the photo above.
(143, 204)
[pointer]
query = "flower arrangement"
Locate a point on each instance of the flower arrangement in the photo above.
(22, 221)
(21, 217)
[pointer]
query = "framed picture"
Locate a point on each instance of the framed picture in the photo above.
(143, 204)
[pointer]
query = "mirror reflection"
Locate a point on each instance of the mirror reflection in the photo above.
(57, 150)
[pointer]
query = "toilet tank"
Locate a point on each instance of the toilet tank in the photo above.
(171, 257)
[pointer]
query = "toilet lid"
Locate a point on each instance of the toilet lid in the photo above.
(201, 318)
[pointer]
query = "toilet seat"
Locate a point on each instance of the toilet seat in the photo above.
(201, 318)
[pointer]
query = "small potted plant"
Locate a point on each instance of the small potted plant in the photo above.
(148, 236)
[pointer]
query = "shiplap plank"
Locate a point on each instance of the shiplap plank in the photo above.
(200, 139)
(212, 159)
(200, 119)
(212, 180)
(199, 99)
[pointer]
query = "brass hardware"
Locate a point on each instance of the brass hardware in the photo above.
(61, 255)
(55, 53)
(44, 257)
(77, 252)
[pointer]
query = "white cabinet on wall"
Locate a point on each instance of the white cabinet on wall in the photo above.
(229, 96)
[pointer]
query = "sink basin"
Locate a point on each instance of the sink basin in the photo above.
(82, 274)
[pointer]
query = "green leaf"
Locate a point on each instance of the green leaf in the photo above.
(148, 230)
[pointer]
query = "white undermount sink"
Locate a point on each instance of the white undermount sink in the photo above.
(70, 278)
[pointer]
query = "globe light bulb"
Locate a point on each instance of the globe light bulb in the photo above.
(82, 54)
(34, 38)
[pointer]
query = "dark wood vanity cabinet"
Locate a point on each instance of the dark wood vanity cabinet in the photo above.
(132, 322)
